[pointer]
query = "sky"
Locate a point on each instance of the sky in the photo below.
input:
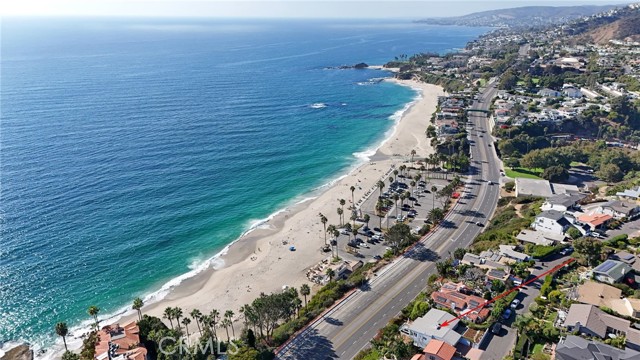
(269, 8)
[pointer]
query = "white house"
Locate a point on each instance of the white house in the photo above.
(425, 328)
(549, 93)
(562, 202)
(611, 271)
(551, 221)
(572, 92)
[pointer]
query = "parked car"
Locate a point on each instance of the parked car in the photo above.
(515, 303)
(506, 314)
(377, 257)
(566, 251)
(496, 328)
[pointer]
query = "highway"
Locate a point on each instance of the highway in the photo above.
(348, 328)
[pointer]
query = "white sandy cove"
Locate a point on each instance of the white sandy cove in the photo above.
(260, 262)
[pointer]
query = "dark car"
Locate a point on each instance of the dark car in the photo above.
(496, 328)
(378, 257)
(480, 224)
(507, 314)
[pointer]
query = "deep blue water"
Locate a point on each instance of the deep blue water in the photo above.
(133, 149)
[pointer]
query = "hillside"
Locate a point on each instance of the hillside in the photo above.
(627, 28)
(521, 16)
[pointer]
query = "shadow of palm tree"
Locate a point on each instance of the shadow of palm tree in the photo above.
(309, 345)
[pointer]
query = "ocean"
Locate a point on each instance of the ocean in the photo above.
(134, 150)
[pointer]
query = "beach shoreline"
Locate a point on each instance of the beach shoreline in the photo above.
(259, 261)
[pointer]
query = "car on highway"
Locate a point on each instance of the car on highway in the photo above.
(480, 224)
(490, 182)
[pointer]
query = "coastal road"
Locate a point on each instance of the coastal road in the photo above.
(348, 328)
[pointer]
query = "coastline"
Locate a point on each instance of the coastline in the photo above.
(258, 261)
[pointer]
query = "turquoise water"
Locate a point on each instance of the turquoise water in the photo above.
(133, 150)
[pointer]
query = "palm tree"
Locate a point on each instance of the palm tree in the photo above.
(340, 212)
(226, 323)
(330, 273)
(305, 290)
(342, 202)
(353, 218)
(186, 321)
(366, 219)
(395, 175)
(434, 189)
(137, 305)
(380, 185)
(413, 153)
(297, 304)
(336, 233)
(214, 316)
(353, 201)
(177, 314)
(229, 315)
(403, 167)
(404, 196)
(168, 314)
(323, 220)
(62, 330)
(396, 197)
(355, 232)
(197, 316)
(93, 311)
(413, 186)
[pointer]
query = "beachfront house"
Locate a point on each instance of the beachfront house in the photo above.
(117, 342)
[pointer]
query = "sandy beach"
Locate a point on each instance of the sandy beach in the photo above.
(260, 262)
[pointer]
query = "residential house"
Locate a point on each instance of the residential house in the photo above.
(458, 298)
(611, 271)
(572, 92)
(588, 319)
(551, 221)
(576, 348)
(563, 202)
(487, 263)
(436, 350)
(595, 221)
(538, 187)
(539, 237)
(599, 294)
(619, 209)
(627, 258)
(510, 252)
(631, 194)
(546, 92)
(426, 328)
(117, 342)
(497, 274)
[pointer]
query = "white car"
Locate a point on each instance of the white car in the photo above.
(515, 303)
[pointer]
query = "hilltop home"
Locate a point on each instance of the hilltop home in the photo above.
(510, 252)
(483, 262)
(551, 221)
(611, 271)
(619, 209)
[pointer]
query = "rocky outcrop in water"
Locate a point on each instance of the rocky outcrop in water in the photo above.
(344, 67)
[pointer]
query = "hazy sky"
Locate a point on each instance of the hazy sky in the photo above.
(268, 9)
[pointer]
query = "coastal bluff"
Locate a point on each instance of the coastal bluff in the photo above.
(20, 352)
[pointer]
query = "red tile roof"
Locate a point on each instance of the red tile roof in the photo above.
(595, 219)
(440, 348)
(127, 339)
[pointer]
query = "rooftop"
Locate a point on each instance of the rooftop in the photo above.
(576, 348)
(595, 219)
(539, 237)
(441, 349)
(429, 326)
(612, 268)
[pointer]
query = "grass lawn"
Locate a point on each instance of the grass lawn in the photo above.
(537, 348)
(483, 82)
(535, 80)
(523, 173)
